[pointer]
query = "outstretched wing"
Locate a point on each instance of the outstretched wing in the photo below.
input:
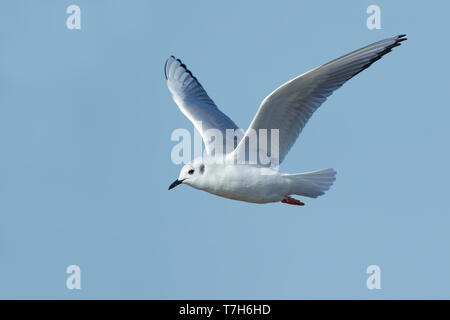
(198, 107)
(289, 107)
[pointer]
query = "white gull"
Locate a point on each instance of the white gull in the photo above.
(287, 109)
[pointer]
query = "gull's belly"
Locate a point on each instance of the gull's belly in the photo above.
(248, 183)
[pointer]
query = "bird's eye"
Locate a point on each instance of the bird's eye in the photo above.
(191, 171)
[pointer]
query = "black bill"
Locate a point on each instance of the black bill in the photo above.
(175, 183)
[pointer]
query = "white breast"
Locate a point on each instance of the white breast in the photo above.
(245, 182)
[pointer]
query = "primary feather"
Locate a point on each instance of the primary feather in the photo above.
(289, 107)
(197, 106)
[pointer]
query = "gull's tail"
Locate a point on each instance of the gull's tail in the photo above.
(311, 184)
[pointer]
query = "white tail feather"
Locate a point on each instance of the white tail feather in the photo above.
(311, 184)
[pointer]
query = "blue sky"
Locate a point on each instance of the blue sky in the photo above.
(85, 125)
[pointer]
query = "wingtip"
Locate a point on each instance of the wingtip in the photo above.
(165, 66)
(181, 65)
(186, 69)
(398, 41)
(401, 38)
(387, 49)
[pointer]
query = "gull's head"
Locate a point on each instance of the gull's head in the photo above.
(191, 174)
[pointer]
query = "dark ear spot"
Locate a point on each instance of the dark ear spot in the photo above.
(202, 168)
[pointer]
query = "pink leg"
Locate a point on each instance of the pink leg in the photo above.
(292, 201)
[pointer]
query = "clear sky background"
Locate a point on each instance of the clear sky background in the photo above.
(85, 125)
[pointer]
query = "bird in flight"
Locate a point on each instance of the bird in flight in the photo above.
(285, 111)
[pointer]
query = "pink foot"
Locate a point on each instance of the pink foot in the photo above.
(292, 201)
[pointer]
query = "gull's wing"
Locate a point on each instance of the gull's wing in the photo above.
(198, 107)
(289, 107)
